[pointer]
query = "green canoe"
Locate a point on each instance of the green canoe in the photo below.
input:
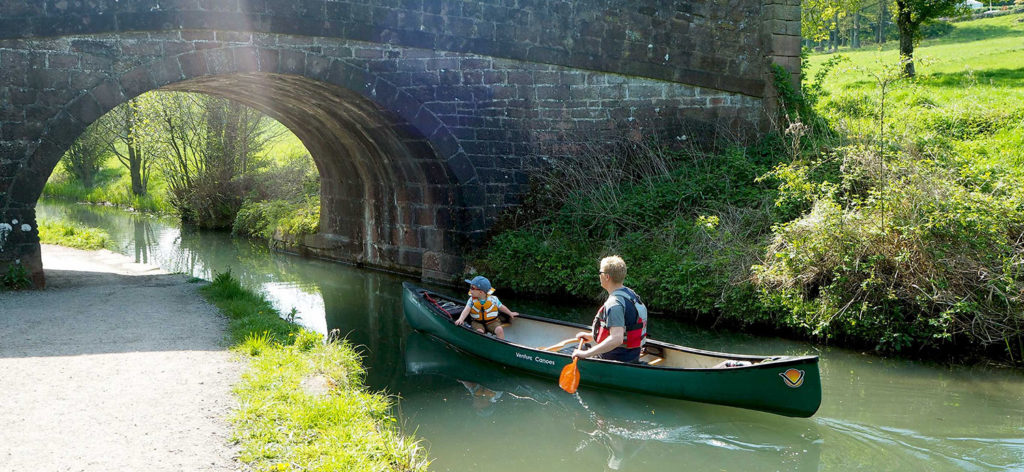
(784, 385)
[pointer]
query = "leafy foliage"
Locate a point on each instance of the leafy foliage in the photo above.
(83, 161)
(269, 218)
(688, 223)
(16, 277)
(914, 233)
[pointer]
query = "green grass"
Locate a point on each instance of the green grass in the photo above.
(969, 93)
(913, 237)
(113, 186)
(282, 423)
(286, 146)
(69, 234)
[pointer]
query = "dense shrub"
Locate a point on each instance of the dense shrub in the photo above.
(929, 257)
(264, 219)
(935, 29)
(688, 223)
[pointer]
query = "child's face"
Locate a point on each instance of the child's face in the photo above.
(477, 293)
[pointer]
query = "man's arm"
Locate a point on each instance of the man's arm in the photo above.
(614, 339)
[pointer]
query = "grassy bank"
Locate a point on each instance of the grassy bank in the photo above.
(63, 233)
(112, 186)
(898, 228)
(303, 405)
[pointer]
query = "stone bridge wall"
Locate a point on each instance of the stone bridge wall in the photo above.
(420, 114)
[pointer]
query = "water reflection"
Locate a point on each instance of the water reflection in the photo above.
(876, 414)
(602, 430)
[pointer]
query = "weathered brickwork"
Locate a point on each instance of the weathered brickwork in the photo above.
(421, 115)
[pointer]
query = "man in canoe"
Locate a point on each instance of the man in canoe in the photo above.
(483, 308)
(620, 326)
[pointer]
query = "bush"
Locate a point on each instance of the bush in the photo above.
(935, 29)
(688, 223)
(265, 219)
(928, 258)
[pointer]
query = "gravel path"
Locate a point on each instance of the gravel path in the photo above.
(115, 366)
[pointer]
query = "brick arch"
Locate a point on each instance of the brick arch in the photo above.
(389, 197)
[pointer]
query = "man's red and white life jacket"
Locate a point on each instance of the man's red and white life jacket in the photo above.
(635, 317)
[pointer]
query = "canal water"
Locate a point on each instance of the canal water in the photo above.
(876, 413)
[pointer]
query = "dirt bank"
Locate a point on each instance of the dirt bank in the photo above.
(115, 366)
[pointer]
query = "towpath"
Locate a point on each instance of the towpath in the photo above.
(116, 366)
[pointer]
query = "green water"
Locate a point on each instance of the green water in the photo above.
(876, 414)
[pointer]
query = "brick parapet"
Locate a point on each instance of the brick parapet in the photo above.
(707, 43)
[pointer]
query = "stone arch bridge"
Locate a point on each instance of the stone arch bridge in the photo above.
(419, 114)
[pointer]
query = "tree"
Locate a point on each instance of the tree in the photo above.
(209, 147)
(819, 19)
(83, 159)
(133, 134)
(855, 8)
(910, 15)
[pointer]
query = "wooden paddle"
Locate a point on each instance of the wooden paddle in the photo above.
(569, 380)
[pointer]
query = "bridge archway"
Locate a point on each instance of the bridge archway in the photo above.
(388, 198)
(382, 184)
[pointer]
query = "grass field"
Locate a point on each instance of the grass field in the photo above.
(969, 91)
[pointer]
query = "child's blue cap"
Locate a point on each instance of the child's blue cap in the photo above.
(481, 283)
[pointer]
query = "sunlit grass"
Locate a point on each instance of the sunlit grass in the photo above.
(112, 186)
(286, 146)
(69, 234)
(302, 403)
(991, 43)
(969, 93)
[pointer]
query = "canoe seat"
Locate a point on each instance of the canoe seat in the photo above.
(651, 359)
(652, 355)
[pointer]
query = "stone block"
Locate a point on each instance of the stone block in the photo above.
(85, 109)
(20, 96)
(291, 62)
(136, 82)
(108, 94)
(268, 60)
(193, 65)
(317, 67)
(785, 45)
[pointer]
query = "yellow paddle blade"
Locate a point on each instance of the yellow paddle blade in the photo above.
(569, 380)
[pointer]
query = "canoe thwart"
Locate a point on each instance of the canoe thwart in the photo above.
(559, 346)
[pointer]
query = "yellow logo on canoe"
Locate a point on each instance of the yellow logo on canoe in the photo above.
(793, 377)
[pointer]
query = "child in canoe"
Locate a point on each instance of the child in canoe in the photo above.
(483, 308)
